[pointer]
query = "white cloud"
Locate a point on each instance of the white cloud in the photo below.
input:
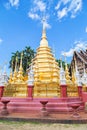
(38, 10)
(75, 6)
(40, 5)
(7, 5)
(33, 15)
(60, 3)
(65, 1)
(86, 29)
(62, 13)
(11, 3)
(69, 53)
(79, 45)
(45, 23)
(1, 40)
(68, 7)
(14, 3)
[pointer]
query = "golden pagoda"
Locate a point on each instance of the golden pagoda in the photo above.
(46, 70)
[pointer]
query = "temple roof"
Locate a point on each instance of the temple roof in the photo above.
(82, 55)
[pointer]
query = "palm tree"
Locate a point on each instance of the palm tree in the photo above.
(13, 60)
(28, 54)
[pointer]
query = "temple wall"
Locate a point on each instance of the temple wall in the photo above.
(72, 91)
(15, 90)
(84, 96)
(47, 90)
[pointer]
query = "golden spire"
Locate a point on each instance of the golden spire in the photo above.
(15, 72)
(73, 77)
(21, 68)
(66, 69)
(11, 74)
(20, 72)
(67, 72)
(16, 64)
(44, 30)
(44, 41)
(67, 75)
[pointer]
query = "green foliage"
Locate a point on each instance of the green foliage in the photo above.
(63, 63)
(28, 55)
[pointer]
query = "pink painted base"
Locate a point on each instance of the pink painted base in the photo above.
(80, 91)
(1, 90)
(54, 104)
(84, 96)
(30, 91)
(63, 90)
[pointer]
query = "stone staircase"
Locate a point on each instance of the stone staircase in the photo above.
(25, 105)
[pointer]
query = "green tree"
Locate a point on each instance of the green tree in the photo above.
(63, 63)
(28, 55)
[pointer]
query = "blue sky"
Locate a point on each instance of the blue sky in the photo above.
(21, 25)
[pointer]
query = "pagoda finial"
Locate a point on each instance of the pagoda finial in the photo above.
(44, 28)
(44, 41)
